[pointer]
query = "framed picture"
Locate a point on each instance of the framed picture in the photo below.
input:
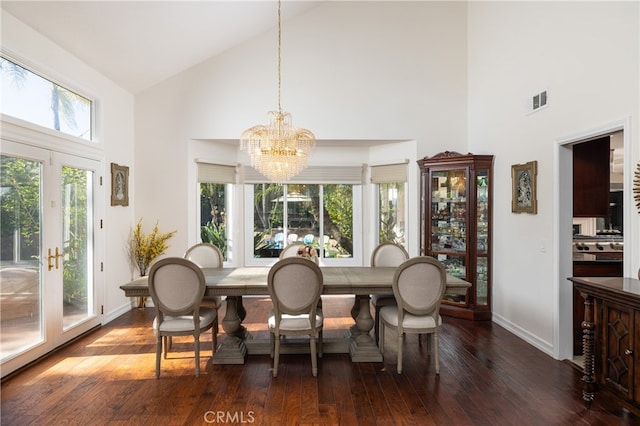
(523, 182)
(119, 185)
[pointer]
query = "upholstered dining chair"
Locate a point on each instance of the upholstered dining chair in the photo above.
(385, 254)
(176, 286)
(295, 285)
(206, 255)
(418, 286)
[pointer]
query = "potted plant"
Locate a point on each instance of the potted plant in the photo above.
(144, 249)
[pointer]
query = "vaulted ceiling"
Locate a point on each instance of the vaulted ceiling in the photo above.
(138, 44)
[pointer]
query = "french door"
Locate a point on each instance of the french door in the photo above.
(48, 258)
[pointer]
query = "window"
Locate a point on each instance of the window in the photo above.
(392, 217)
(30, 97)
(320, 215)
(214, 181)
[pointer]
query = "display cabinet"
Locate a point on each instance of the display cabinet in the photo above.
(455, 217)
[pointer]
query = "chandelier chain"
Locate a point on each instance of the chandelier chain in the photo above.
(279, 54)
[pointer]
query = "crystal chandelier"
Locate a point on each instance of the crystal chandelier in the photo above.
(278, 150)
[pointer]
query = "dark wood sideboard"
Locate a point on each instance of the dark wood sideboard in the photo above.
(611, 336)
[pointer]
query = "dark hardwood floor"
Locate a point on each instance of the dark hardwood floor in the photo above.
(487, 377)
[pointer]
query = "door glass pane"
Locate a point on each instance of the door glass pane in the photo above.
(20, 270)
(77, 264)
(482, 227)
(449, 211)
(455, 266)
(449, 225)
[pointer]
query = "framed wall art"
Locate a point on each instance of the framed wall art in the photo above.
(119, 185)
(523, 182)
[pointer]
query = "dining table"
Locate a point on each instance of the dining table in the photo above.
(234, 283)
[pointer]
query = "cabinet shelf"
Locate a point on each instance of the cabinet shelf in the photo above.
(456, 197)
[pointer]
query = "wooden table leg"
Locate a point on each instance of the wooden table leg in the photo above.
(588, 348)
(363, 347)
(232, 350)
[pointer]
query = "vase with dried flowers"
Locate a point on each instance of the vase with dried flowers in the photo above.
(144, 249)
(308, 252)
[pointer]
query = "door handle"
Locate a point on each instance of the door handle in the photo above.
(55, 256)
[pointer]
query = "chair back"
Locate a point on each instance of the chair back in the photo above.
(418, 286)
(205, 255)
(295, 285)
(177, 287)
(388, 254)
(290, 250)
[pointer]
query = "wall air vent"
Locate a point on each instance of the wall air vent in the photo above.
(538, 101)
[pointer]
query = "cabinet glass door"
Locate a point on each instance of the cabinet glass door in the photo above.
(482, 237)
(449, 224)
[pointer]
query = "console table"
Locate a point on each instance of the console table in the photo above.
(611, 336)
(237, 282)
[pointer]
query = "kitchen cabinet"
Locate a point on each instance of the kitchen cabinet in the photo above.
(455, 226)
(591, 178)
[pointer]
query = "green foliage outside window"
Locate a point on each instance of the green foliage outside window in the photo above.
(213, 215)
(20, 207)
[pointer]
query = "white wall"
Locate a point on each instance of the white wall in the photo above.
(114, 133)
(586, 55)
(350, 70)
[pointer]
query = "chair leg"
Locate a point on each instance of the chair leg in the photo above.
(272, 342)
(381, 343)
(376, 323)
(214, 339)
(276, 356)
(167, 342)
(314, 361)
(158, 355)
(197, 350)
(437, 351)
(400, 339)
(320, 344)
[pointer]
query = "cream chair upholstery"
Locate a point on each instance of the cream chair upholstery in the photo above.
(205, 255)
(295, 285)
(418, 286)
(385, 254)
(176, 286)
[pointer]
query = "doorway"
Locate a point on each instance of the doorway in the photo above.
(563, 218)
(47, 264)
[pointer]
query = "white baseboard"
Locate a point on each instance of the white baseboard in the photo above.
(107, 318)
(544, 346)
